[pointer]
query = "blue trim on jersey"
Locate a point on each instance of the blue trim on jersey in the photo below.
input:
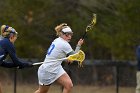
(50, 49)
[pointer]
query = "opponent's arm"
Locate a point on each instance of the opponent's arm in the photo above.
(16, 62)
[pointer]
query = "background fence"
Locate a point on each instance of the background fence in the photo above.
(99, 73)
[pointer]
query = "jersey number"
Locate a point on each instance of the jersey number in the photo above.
(50, 49)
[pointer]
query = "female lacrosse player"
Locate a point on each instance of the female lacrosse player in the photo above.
(51, 71)
(7, 39)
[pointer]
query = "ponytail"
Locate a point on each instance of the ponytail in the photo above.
(6, 31)
(59, 28)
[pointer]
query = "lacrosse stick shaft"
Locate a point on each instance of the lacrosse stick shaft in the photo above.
(84, 35)
(39, 63)
(80, 56)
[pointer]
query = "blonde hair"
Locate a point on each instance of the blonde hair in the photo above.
(59, 28)
(6, 30)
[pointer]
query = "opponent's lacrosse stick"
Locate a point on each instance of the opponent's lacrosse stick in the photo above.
(90, 26)
(80, 56)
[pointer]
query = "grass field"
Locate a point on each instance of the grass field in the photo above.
(30, 88)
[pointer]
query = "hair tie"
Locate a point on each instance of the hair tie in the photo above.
(6, 28)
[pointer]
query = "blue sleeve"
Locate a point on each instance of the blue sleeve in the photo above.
(7, 48)
(12, 53)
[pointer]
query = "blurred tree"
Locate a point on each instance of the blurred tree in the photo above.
(115, 33)
(114, 36)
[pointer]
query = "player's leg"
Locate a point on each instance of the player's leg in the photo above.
(66, 82)
(42, 89)
(0, 88)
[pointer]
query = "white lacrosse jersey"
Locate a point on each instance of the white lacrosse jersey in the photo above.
(57, 50)
(50, 71)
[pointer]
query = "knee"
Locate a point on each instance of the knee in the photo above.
(69, 85)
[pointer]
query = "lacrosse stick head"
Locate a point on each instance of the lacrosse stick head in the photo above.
(80, 56)
(93, 22)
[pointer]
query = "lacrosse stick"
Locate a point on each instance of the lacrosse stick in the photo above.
(90, 26)
(79, 56)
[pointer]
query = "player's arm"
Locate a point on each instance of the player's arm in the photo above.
(16, 62)
(78, 46)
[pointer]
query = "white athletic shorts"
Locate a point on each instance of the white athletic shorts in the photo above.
(47, 77)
